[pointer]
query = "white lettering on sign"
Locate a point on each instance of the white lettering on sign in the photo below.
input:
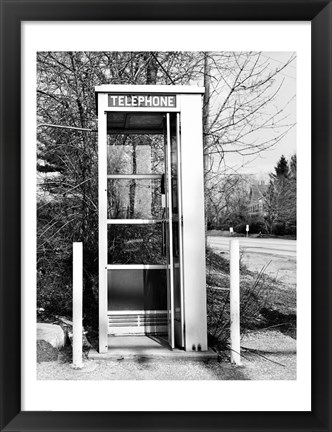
(145, 101)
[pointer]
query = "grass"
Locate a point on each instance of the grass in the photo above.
(265, 301)
(220, 233)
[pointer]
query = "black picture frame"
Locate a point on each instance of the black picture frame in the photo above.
(13, 12)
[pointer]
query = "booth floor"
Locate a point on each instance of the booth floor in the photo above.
(145, 346)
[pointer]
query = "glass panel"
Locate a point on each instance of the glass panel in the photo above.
(137, 290)
(136, 244)
(134, 199)
(135, 154)
(174, 165)
(155, 289)
(131, 122)
(176, 232)
(125, 290)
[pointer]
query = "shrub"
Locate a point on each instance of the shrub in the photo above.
(59, 225)
(253, 299)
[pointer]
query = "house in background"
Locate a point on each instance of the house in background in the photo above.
(256, 198)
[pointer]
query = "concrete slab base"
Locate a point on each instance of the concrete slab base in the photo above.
(127, 347)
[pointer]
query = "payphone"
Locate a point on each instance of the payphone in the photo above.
(151, 214)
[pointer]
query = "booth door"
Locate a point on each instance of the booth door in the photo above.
(174, 231)
(144, 271)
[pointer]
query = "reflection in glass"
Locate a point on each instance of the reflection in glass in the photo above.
(176, 229)
(135, 154)
(133, 199)
(135, 244)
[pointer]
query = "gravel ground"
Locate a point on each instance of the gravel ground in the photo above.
(273, 355)
(274, 358)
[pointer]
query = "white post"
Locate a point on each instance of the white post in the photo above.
(102, 222)
(235, 301)
(77, 305)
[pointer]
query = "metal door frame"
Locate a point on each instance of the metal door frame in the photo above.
(179, 185)
(169, 204)
(169, 215)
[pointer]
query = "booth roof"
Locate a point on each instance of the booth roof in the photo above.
(177, 89)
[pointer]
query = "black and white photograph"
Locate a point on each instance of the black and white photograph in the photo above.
(166, 216)
(166, 202)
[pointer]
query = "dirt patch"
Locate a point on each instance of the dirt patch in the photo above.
(286, 323)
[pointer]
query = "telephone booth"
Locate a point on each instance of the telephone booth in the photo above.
(151, 215)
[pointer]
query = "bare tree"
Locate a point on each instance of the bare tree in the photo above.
(239, 116)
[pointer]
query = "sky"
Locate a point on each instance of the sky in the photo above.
(261, 165)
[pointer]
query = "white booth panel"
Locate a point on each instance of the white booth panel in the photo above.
(102, 186)
(193, 223)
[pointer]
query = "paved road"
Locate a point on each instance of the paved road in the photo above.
(258, 245)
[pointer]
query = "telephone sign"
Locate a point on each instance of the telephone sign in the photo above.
(142, 100)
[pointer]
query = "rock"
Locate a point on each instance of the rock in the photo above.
(51, 333)
(46, 352)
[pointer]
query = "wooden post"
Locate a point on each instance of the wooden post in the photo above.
(77, 305)
(235, 301)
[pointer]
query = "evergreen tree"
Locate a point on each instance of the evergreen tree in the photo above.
(280, 198)
(282, 168)
(293, 167)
